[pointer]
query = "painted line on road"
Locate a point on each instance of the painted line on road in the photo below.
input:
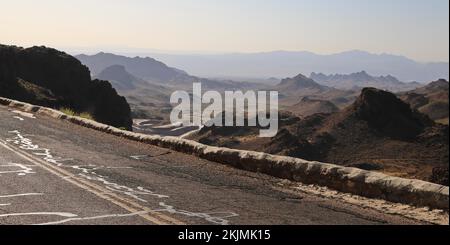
(21, 195)
(23, 169)
(39, 213)
(24, 114)
(129, 205)
(93, 218)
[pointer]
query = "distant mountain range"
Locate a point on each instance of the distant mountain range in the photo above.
(363, 79)
(287, 64)
(153, 71)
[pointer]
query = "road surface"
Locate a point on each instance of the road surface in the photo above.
(54, 172)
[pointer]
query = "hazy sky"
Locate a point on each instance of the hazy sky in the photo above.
(418, 29)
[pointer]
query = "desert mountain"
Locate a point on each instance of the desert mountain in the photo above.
(287, 63)
(377, 132)
(145, 68)
(307, 106)
(48, 77)
(300, 83)
(120, 78)
(293, 89)
(362, 79)
(431, 100)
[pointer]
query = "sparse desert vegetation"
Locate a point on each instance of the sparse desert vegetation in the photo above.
(71, 112)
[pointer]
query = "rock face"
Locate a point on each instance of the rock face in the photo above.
(48, 77)
(387, 113)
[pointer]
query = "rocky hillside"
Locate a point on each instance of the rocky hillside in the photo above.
(48, 77)
(120, 78)
(431, 100)
(377, 132)
(308, 106)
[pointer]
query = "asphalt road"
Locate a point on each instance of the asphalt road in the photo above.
(54, 172)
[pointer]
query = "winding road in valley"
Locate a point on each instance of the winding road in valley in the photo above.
(54, 172)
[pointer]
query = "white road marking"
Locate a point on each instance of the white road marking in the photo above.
(21, 195)
(94, 217)
(139, 157)
(154, 217)
(17, 195)
(25, 114)
(218, 218)
(23, 169)
(118, 167)
(88, 173)
(40, 214)
(19, 118)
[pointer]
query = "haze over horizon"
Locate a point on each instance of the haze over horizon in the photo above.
(412, 28)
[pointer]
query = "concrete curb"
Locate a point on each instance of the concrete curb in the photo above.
(344, 179)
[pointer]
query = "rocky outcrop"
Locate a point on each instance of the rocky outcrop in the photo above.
(52, 78)
(387, 113)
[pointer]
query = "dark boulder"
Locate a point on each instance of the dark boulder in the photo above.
(385, 112)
